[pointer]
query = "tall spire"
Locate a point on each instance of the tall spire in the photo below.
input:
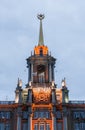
(41, 40)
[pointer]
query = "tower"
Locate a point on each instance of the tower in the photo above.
(41, 105)
(41, 64)
(41, 97)
(41, 83)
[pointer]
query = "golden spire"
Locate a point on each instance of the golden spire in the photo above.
(41, 40)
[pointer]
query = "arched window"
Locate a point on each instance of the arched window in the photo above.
(41, 73)
(41, 51)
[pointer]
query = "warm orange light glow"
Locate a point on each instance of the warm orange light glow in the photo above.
(38, 49)
(41, 94)
(59, 95)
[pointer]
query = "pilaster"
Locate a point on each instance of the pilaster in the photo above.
(50, 73)
(30, 95)
(32, 72)
(53, 96)
(54, 121)
(65, 123)
(29, 119)
(19, 114)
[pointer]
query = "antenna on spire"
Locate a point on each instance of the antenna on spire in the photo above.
(41, 40)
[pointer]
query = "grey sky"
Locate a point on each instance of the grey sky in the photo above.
(64, 34)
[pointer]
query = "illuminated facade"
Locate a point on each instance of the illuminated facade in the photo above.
(41, 105)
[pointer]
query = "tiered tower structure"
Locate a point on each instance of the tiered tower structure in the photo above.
(41, 105)
(41, 92)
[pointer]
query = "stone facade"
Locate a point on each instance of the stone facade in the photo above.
(41, 105)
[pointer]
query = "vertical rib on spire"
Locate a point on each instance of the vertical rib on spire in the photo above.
(41, 40)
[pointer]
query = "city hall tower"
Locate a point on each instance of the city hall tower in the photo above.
(41, 105)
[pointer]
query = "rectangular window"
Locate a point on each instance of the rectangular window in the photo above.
(42, 127)
(79, 115)
(59, 126)
(7, 126)
(5, 114)
(25, 126)
(25, 115)
(36, 126)
(58, 115)
(2, 126)
(79, 126)
(42, 114)
(47, 126)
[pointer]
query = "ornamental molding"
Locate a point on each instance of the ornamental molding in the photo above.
(41, 94)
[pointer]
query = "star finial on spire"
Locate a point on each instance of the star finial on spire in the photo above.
(40, 16)
(41, 40)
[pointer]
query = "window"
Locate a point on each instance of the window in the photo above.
(36, 126)
(76, 126)
(2, 126)
(5, 114)
(41, 126)
(79, 126)
(35, 115)
(59, 126)
(41, 51)
(82, 125)
(25, 126)
(59, 115)
(47, 126)
(47, 114)
(7, 126)
(41, 73)
(79, 115)
(41, 114)
(25, 115)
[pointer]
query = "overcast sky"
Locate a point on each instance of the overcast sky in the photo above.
(64, 34)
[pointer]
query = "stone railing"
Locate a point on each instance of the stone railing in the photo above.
(77, 102)
(41, 84)
(7, 102)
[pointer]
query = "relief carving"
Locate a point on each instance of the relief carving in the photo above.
(41, 94)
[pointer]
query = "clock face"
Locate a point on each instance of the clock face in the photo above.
(41, 68)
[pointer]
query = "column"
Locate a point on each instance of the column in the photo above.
(50, 73)
(53, 72)
(53, 96)
(19, 119)
(29, 73)
(18, 123)
(54, 122)
(29, 118)
(20, 96)
(30, 95)
(29, 121)
(65, 124)
(32, 72)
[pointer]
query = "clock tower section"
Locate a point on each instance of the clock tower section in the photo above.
(40, 64)
(41, 86)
